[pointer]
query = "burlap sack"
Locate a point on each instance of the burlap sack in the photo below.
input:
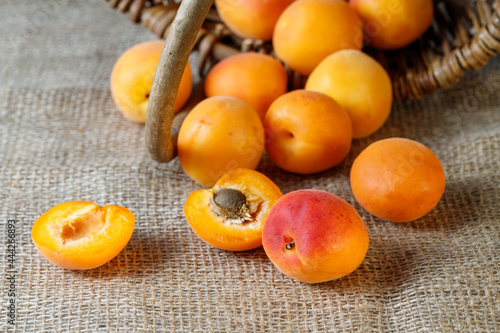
(62, 138)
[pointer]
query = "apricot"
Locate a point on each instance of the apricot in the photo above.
(82, 235)
(359, 84)
(307, 132)
(220, 134)
(132, 77)
(231, 215)
(310, 30)
(393, 24)
(255, 78)
(397, 179)
(251, 18)
(314, 236)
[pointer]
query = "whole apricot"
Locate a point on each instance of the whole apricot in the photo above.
(314, 236)
(255, 78)
(393, 24)
(307, 132)
(359, 84)
(82, 235)
(132, 77)
(220, 134)
(310, 30)
(397, 179)
(251, 18)
(231, 215)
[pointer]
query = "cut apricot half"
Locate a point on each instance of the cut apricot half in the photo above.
(231, 215)
(82, 235)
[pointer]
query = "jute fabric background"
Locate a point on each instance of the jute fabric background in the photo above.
(62, 138)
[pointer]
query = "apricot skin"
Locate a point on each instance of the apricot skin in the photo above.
(255, 78)
(132, 77)
(359, 84)
(214, 229)
(397, 179)
(393, 24)
(307, 132)
(81, 235)
(251, 18)
(220, 134)
(326, 235)
(310, 30)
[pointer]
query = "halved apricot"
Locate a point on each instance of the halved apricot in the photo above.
(82, 235)
(231, 215)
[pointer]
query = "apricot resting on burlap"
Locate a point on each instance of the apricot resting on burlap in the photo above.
(132, 78)
(82, 235)
(220, 134)
(307, 132)
(231, 215)
(314, 236)
(397, 179)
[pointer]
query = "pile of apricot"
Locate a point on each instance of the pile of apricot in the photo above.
(310, 235)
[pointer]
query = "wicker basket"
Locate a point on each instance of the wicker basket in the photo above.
(463, 37)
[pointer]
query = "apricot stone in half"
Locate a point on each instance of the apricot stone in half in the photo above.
(231, 215)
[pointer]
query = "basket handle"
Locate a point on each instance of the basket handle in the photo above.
(178, 45)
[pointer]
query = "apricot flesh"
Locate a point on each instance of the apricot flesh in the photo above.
(81, 235)
(359, 84)
(314, 236)
(220, 134)
(310, 30)
(234, 223)
(255, 78)
(397, 179)
(132, 77)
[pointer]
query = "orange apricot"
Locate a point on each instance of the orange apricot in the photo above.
(82, 235)
(393, 24)
(359, 84)
(220, 134)
(307, 132)
(310, 30)
(132, 77)
(397, 179)
(251, 18)
(314, 236)
(231, 215)
(255, 78)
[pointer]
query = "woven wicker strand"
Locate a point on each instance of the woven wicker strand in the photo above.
(461, 39)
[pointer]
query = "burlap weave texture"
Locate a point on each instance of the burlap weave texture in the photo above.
(62, 138)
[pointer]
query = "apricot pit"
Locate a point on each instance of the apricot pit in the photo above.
(229, 203)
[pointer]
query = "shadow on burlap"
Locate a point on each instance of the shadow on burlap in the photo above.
(61, 139)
